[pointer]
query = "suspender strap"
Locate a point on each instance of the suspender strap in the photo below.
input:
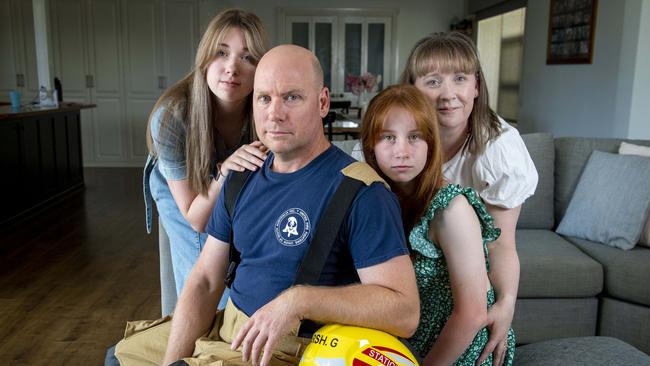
(326, 231)
(231, 193)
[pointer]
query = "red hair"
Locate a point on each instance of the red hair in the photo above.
(429, 181)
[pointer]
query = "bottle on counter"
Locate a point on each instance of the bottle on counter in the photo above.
(59, 90)
(42, 95)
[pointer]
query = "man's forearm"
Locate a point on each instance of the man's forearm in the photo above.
(371, 306)
(194, 314)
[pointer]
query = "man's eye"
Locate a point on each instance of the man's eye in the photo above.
(263, 99)
(292, 97)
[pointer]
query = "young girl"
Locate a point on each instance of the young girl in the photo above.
(198, 131)
(449, 228)
(481, 151)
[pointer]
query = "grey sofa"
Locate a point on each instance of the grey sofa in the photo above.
(571, 287)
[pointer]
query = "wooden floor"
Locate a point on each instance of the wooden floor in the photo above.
(72, 275)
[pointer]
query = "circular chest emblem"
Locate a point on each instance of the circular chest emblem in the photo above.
(292, 227)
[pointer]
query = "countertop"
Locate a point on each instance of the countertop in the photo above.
(7, 112)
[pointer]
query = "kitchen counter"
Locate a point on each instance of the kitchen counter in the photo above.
(8, 112)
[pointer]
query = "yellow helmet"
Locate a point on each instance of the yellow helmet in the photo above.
(345, 345)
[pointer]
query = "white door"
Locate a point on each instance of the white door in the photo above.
(143, 76)
(105, 65)
(70, 58)
(18, 61)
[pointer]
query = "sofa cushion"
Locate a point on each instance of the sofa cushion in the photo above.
(592, 351)
(571, 155)
(631, 149)
(610, 202)
(543, 319)
(553, 267)
(537, 211)
(626, 321)
(626, 272)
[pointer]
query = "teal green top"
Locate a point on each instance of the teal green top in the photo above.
(432, 274)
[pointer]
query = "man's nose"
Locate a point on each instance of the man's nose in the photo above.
(275, 110)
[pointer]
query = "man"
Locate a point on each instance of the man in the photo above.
(368, 279)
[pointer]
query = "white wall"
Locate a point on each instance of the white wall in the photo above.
(415, 19)
(640, 109)
(591, 100)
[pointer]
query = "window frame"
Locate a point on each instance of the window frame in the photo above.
(339, 18)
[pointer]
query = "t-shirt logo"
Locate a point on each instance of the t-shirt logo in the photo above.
(292, 227)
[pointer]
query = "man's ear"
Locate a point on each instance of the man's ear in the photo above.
(324, 102)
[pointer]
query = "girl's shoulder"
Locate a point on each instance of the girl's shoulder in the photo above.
(453, 202)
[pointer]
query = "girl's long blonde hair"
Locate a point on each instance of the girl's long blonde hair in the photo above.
(430, 180)
(455, 52)
(191, 101)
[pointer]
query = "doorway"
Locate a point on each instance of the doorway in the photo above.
(500, 42)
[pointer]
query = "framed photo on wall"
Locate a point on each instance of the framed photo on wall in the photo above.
(571, 28)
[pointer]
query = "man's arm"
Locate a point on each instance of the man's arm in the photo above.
(504, 276)
(387, 299)
(198, 302)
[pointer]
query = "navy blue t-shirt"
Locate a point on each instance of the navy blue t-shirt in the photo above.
(275, 218)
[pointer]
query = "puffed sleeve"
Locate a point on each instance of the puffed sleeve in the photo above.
(169, 144)
(505, 175)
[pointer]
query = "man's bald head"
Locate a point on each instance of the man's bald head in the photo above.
(294, 58)
(289, 103)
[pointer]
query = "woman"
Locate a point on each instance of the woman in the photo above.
(480, 150)
(199, 130)
(449, 228)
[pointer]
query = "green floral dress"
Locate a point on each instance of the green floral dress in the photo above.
(432, 275)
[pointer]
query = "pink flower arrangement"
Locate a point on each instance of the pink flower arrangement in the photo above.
(360, 83)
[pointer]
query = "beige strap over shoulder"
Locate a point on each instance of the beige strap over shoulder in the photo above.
(363, 172)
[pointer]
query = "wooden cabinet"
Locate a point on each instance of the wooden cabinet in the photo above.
(41, 158)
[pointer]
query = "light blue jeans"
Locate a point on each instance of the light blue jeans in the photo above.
(184, 244)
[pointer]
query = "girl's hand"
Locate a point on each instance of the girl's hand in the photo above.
(499, 319)
(249, 157)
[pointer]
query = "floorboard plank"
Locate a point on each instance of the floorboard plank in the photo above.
(73, 274)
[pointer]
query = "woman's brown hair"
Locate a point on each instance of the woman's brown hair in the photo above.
(429, 181)
(455, 52)
(190, 99)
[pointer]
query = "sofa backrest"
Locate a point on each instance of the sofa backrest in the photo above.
(537, 211)
(572, 154)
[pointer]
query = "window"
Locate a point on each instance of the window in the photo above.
(345, 42)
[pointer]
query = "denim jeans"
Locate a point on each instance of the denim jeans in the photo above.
(185, 243)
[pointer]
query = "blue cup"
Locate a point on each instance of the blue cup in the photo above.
(14, 96)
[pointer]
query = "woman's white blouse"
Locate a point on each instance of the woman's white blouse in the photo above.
(504, 175)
